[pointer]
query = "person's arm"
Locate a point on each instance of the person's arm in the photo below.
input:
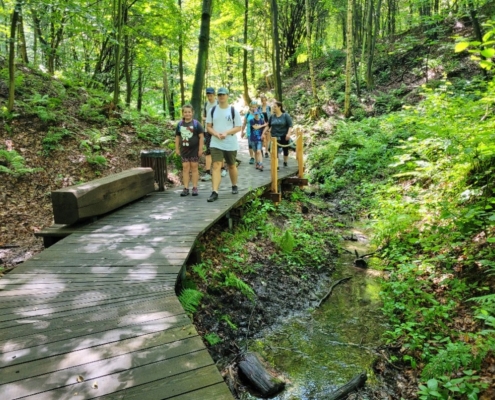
(177, 145)
(244, 127)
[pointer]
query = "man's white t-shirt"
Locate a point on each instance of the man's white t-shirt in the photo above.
(222, 122)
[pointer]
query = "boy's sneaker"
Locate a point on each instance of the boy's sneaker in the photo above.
(206, 178)
(195, 191)
(213, 197)
(261, 168)
(266, 155)
(251, 161)
(257, 166)
(285, 164)
(224, 172)
(185, 192)
(235, 190)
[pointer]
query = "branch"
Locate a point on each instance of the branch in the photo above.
(330, 291)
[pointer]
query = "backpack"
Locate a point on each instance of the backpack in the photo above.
(232, 111)
(204, 108)
(195, 123)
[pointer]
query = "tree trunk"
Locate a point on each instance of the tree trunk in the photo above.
(370, 82)
(140, 90)
(181, 61)
(118, 46)
(310, 53)
(166, 88)
(171, 104)
(277, 79)
(127, 63)
(348, 65)
(15, 18)
(247, 99)
(204, 42)
(22, 41)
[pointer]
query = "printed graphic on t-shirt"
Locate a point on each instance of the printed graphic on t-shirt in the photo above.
(186, 133)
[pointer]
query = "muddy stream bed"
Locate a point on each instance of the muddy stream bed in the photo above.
(322, 349)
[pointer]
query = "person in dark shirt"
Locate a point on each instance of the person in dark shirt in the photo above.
(189, 138)
(280, 127)
(256, 131)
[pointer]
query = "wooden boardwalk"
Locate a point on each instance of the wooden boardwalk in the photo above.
(96, 314)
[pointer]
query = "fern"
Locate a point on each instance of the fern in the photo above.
(286, 242)
(14, 163)
(212, 339)
(226, 318)
(233, 281)
(190, 299)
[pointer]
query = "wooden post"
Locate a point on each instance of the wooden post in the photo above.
(299, 152)
(274, 165)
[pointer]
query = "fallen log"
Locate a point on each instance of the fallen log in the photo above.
(354, 384)
(263, 381)
(331, 289)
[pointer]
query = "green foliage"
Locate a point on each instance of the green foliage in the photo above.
(212, 339)
(95, 140)
(12, 163)
(190, 300)
(54, 136)
(228, 321)
(446, 388)
(149, 132)
(231, 280)
(286, 242)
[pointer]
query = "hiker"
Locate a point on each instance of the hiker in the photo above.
(257, 126)
(223, 122)
(267, 111)
(246, 128)
(189, 146)
(210, 103)
(280, 127)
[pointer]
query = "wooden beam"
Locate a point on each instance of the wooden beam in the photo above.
(100, 196)
(296, 181)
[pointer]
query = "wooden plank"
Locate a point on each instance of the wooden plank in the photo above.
(93, 339)
(95, 327)
(64, 320)
(201, 384)
(97, 197)
(139, 374)
(170, 354)
(60, 318)
(44, 366)
(41, 267)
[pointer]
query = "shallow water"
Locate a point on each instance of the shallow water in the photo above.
(325, 348)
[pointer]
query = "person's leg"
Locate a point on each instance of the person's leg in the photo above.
(230, 159)
(185, 173)
(217, 160)
(194, 174)
(208, 163)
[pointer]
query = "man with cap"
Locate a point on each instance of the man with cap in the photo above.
(223, 122)
(210, 103)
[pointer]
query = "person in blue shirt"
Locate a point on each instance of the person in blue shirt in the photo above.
(256, 130)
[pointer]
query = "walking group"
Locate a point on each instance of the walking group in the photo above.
(223, 122)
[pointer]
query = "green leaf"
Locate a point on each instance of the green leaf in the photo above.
(488, 53)
(432, 384)
(491, 240)
(461, 46)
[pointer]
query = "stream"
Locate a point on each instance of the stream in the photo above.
(322, 349)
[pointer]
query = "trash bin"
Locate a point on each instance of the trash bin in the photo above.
(157, 160)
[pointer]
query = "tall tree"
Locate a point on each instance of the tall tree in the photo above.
(181, 60)
(204, 42)
(348, 65)
(118, 46)
(277, 69)
(247, 98)
(310, 52)
(13, 27)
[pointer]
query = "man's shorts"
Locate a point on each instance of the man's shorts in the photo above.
(255, 146)
(218, 155)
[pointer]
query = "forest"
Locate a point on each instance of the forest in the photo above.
(396, 101)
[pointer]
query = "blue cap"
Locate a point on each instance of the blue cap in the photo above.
(223, 90)
(210, 90)
(257, 112)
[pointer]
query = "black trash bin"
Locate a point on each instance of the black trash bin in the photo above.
(156, 159)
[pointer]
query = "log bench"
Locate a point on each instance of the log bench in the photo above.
(76, 206)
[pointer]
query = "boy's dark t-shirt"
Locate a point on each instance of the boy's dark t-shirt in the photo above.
(280, 125)
(255, 135)
(189, 138)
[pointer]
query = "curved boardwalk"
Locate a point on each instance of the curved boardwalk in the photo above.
(96, 314)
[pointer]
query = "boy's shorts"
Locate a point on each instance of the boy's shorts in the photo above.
(255, 146)
(218, 155)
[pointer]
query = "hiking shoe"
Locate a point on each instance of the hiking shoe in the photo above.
(285, 164)
(206, 178)
(251, 161)
(224, 172)
(213, 197)
(257, 166)
(266, 155)
(185, 192)
(261, 168)
(195, 191)
(235, 190)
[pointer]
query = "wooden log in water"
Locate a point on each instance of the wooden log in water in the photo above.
(263, 381)
(355, 383)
